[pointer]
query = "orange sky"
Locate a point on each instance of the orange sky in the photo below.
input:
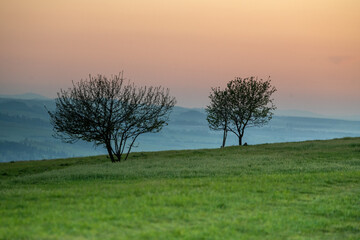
(310, 48)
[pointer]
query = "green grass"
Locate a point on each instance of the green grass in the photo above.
(306, 190)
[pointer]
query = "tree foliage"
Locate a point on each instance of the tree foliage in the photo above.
(110, 112)
(245, 102)
(218, 112)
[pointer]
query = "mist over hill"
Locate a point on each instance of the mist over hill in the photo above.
(26, 134)
(25, 96)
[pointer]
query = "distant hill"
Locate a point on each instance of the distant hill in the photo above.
(299, 113)
(26, 133)
(24, 96)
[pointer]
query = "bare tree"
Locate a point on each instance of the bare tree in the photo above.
(218, 112)
(110, 112)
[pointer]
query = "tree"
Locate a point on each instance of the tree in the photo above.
(251, 104)
(110, 112)
(218, 112)
(248, 103)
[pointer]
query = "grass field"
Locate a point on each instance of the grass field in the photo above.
(305, 190)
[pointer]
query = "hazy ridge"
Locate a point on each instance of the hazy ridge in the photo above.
(26, 134)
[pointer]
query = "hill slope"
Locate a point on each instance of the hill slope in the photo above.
(273, 191)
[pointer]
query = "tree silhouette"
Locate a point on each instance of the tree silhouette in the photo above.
(110, 112)
(246, 102)
(218, 112)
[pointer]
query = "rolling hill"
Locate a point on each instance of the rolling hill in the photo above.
(303, 190)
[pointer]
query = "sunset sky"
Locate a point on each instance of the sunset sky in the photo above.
(310, 48)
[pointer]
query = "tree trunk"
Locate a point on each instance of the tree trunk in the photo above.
(132, 143)
(240, 140)
(224, 138)
(109, 149)
(118, 156)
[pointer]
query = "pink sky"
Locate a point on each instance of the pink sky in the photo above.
(310, 48)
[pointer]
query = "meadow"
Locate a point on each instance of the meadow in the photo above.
(302, 190)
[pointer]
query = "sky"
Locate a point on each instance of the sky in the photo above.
(309, 48)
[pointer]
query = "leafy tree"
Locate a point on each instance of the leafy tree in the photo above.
(251, 104)
(218, 112)
(247, 102)
(110, 112)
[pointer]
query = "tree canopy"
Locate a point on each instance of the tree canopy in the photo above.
(110, 112)
(245, 102)
(218, 112)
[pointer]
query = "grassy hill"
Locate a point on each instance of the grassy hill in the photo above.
(305, 190)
